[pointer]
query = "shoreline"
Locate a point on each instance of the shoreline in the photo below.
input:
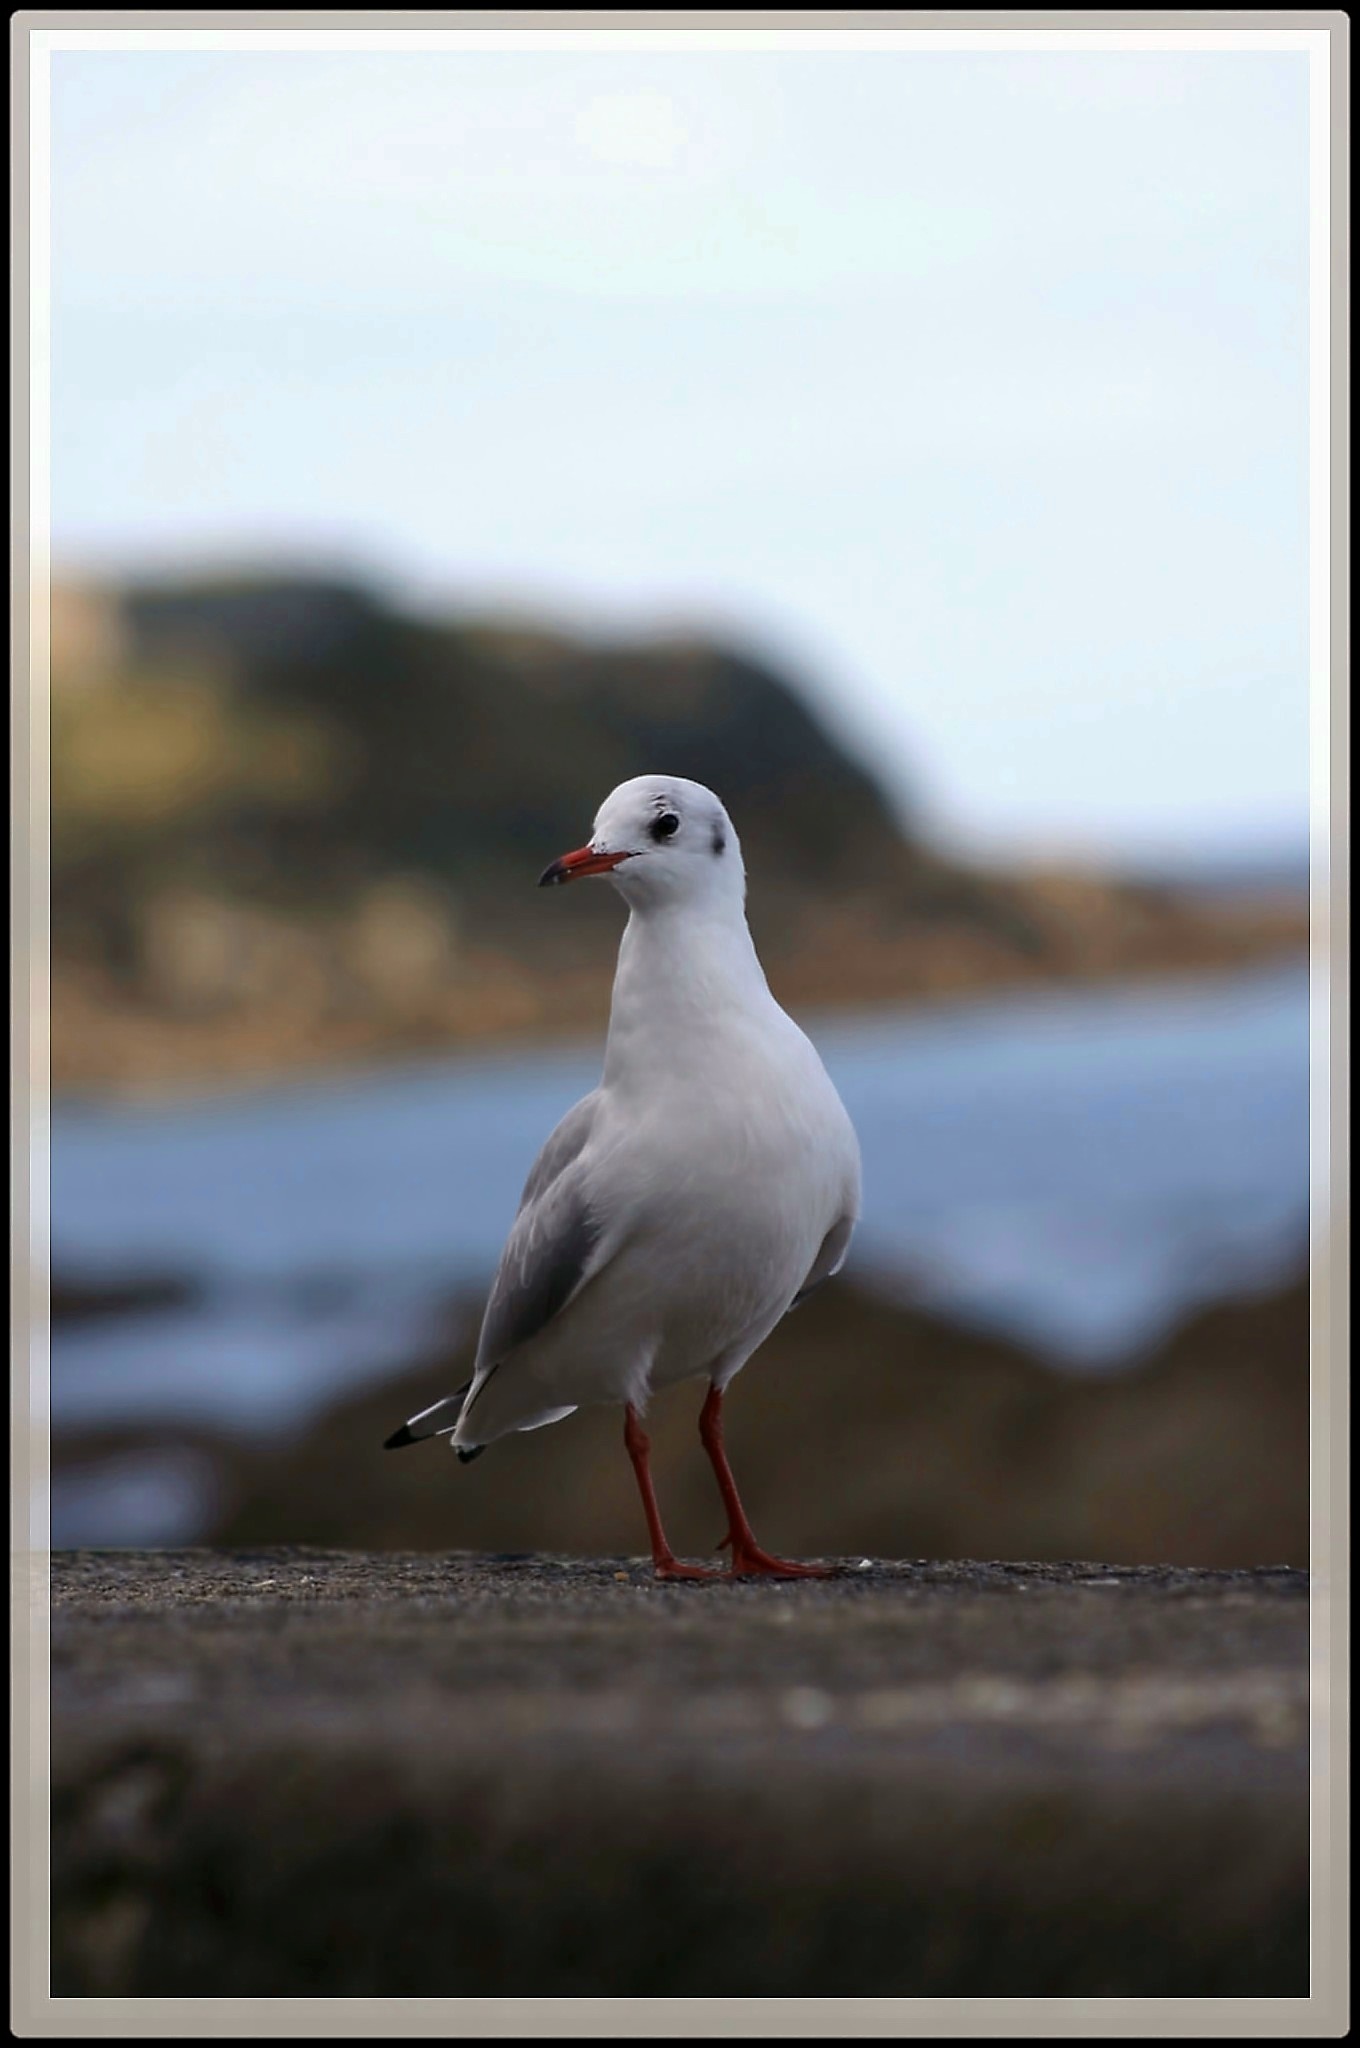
(340, 1055)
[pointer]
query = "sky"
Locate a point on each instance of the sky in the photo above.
(970, 388)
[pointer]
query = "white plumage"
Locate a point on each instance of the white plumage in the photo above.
(712, 1178)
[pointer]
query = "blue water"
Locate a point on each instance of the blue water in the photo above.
(1075, 1170)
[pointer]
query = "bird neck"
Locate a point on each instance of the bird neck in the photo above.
(685, 974)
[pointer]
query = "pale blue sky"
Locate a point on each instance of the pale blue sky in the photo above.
(972, 387)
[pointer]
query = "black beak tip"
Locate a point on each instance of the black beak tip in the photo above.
(555, 873)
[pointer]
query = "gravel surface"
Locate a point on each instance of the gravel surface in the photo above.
(293, 1772)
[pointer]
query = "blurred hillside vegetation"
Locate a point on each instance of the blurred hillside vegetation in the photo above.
(292, 825)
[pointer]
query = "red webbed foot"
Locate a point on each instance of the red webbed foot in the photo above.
(751, 1562)
(669, 1568)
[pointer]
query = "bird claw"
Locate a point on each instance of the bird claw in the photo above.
(671, 1568)
(755, 1563)
(749, 1561)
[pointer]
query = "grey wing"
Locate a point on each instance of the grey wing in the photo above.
(552, 1245)
(566, 1143)
(544, 1260)
(829, 1259)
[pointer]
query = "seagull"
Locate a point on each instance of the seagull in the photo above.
(685, 1205)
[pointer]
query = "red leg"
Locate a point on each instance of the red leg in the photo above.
(748, 1559)
(664, 1560)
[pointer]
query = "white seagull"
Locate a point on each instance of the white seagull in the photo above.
(709, 1182)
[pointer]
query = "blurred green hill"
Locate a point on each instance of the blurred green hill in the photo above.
(459, 749)
(291, 824)
(299, 741)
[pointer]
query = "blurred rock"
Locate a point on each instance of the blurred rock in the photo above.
(72, 1300)
(860, 1425)
(402, 942)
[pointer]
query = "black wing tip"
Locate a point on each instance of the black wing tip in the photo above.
(400, 1438)
(466, 1457)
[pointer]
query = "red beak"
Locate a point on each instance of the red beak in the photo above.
(585, 861)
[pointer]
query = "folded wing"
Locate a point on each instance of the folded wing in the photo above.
(829, 1259)
(550, 1253)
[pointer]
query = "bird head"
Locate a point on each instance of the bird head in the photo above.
(659, 839)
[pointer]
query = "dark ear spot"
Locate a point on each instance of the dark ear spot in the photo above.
(719, 839)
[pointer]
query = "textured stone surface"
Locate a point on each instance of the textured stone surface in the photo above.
(292, 1772)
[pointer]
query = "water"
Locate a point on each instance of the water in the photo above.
(1073, 1170)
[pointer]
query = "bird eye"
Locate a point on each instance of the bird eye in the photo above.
(666, 826)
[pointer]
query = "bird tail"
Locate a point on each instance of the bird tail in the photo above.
(436, 1421)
